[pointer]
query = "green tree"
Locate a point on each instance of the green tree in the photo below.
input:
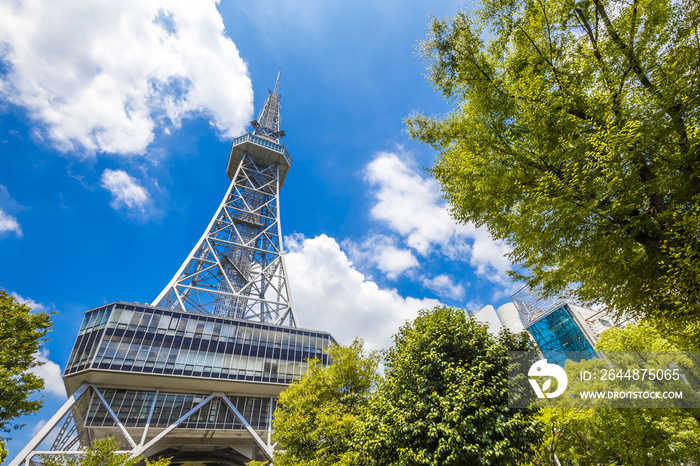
(103, 452)
(583, 435)
(317, 416)
(642, 336)
(443, 399)
(574, 138)
(21, 335)
(644, 437)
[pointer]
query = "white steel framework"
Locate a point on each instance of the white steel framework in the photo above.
(532, 306)
(88, 415)
(237, 267)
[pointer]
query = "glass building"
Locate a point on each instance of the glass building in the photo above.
(123, 351)
(558, 332)
(556, 325)
(132, 338)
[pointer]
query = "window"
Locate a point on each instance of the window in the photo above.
(559, 332)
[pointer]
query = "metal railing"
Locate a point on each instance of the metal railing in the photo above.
(264, 143)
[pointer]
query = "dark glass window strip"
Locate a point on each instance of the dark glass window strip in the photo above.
(132, 408)
(91, 330)
(162, 342)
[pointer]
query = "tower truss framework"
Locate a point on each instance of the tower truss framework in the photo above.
(144, 420)
(195, 375)
(237, 269)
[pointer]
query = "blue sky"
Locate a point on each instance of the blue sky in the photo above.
(115, 124)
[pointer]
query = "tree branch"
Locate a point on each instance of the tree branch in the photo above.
(551, 65)
(674, 111)
(599, 58)
(578, 113)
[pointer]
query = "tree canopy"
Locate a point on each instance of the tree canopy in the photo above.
(444, 397)
(21, 335)
(574, 138)
(103, 452)
(442, 400)
(317, 416)
(583, 435)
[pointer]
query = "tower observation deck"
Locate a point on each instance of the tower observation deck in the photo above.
(195, 374)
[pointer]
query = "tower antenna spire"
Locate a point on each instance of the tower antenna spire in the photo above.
(278, 80)
(268, 123)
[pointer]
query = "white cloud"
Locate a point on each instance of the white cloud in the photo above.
(507, 290)
(104, 75)
(28, 301)
(444, 285)
(394, 261)
(489, 256)
(51, 373)
(330, 294)
(126, 192)
(381, 251)
(473, 306)
(410, 204)
(50, 437)
(37, 427)
(9, 224)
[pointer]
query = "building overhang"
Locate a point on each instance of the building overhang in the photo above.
(169, 382)
(262, 151)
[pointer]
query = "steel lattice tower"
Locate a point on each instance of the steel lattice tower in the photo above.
(195, 374)
(236, 268)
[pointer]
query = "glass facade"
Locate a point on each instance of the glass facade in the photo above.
(559, 332)
(133, 406)
(265, 143)
(138, 339)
